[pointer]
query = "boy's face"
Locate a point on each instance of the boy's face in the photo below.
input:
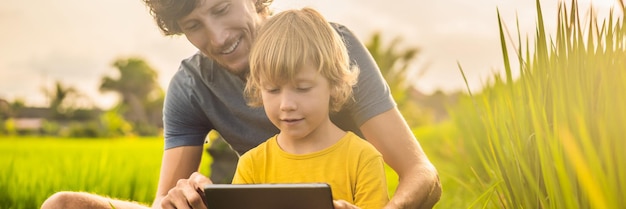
(223, 30)
(300, 109)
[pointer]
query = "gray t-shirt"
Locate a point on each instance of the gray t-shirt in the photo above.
(202, 96)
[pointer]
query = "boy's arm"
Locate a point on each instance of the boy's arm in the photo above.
(371, 186)
(419, 185)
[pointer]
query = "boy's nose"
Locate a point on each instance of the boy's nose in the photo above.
(287, 103)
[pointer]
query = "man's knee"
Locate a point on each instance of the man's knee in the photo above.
(59, 200)
(86, 200)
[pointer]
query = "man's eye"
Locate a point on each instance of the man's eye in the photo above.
(190, 27)
(222, 10)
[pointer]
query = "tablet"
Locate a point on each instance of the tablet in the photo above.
(268, 196)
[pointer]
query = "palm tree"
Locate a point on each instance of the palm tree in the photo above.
(59, 103)
(394, 65)
(137, 84)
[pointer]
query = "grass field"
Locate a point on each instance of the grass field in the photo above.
(34, 168)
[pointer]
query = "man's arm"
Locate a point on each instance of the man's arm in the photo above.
(419, 185)
(178, 183)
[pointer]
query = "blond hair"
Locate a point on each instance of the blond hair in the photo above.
(292, 38)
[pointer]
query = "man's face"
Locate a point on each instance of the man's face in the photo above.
(223, 30)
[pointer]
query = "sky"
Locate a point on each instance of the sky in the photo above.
(76, 41)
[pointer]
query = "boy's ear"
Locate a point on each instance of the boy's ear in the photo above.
(334, 95)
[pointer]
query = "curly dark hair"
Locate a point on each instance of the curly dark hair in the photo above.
(167, 12)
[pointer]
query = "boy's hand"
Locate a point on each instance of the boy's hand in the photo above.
(188, 193)
(342, 204)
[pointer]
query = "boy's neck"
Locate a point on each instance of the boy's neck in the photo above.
(314, 142)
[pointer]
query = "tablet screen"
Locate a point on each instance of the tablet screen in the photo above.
(268, 196)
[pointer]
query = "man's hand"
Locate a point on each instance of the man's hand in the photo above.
(188, 193)
(342, 204)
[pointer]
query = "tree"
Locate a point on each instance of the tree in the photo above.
(59, 103)
(5, 110)
(137, 84)
(394, 64)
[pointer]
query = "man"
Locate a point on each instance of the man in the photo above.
(207, 94)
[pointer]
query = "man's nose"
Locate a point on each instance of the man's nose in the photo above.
(217, 35)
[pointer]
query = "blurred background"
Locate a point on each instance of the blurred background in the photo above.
(75, 41)
(515, 109)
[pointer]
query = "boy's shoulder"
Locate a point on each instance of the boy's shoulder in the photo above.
(258, 151)
(358, 143)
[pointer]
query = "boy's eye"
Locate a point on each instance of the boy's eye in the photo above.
(271, 90)
(303, 89)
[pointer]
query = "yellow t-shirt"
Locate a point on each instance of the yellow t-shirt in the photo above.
(353, 168)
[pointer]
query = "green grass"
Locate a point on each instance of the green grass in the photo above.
(126, 168)
(446, 150)
(553, 138)
(35, 168)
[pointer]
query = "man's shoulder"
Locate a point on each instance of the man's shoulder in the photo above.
(188, 79)
(196, 68)
(188, 67)
(341, 29)
(337, 25)
(193, 63)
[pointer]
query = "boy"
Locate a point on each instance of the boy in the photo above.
(299, 73)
